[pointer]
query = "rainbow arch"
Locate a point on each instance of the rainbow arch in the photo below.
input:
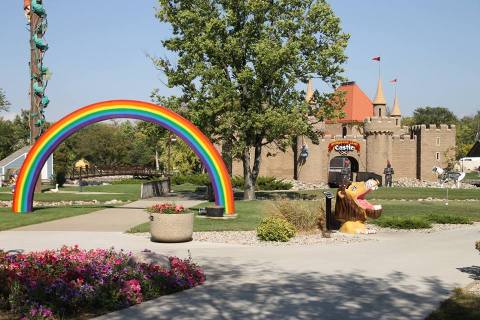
(59, 131)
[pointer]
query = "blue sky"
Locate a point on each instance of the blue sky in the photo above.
(98, 51)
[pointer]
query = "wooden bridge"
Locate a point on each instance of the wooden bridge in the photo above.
(93, 172)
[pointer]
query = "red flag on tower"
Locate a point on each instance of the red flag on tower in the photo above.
(377, 58)
(394, 80)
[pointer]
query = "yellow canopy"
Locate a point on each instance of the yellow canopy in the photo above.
(82, 163)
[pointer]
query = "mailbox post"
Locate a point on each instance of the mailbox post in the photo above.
(331, 222)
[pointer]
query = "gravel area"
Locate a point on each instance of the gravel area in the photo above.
(250, 238)
(8, 204)
(473, 287)
(409, 183)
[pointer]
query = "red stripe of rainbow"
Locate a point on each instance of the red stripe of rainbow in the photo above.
(47, 143)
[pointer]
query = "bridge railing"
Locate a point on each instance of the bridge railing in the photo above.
(91, 172)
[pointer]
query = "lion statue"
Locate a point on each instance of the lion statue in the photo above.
(351, 207)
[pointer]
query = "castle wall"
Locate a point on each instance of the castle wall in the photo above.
(411, 156)
(404, 156)
(435, 146)
(274, 163)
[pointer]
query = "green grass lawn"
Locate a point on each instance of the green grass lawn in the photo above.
(251, 212)
(186, 187)
(423, 208)
(10, 220)
(127, 192)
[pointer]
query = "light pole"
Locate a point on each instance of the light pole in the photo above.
(169, 153)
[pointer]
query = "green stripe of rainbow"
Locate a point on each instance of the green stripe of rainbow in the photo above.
(46, 144)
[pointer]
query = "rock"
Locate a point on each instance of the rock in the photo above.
(301, 185)
(114, 201)
(414, 183)
(151, 257)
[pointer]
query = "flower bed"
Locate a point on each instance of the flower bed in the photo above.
(166, 208)
(71, 281)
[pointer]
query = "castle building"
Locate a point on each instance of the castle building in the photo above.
(364, 141)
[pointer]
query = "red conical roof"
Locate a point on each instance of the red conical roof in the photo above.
(358, 105)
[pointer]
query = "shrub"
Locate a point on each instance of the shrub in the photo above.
(396, 222)
(448, 219)
(275, 229)
(272, 183)
(462, 305)
(60, 178)
(263, 183)
(303, 215)
(238, 182)
(72, 282)
(199, 179)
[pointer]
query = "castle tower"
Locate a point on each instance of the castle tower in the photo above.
(309, 94)
(379, 102)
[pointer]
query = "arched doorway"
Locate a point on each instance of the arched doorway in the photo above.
(340, 166)
(62, 129)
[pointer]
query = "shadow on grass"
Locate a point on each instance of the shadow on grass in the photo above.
(232, 292)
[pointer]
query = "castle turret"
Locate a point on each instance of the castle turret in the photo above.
(379, 102)
(396, 108)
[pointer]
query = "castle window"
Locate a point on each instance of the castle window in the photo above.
(437, 156)
(396, 122)
(344, 131)
(438, 141)
(379, 112)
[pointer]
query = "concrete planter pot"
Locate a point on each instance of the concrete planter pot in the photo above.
(171, 227)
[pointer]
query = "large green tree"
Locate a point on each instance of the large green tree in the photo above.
(433, 115)
(239, 64)
(4, 104)
(468, 130)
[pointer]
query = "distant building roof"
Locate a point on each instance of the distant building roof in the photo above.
(358, 105)
(475, 151)
(14, 156)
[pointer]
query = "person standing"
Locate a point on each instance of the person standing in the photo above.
(388, 172)
(346, 172)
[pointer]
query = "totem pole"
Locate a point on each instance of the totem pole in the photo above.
(39, 74)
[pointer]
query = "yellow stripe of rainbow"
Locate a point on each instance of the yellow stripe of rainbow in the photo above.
(59, 131)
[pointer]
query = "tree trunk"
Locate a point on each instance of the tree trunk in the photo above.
(295, 157)
(250, 174)
(157, 163)
(248, 185)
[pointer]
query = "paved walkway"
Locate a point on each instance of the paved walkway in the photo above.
(113, 219)
(400, 276)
